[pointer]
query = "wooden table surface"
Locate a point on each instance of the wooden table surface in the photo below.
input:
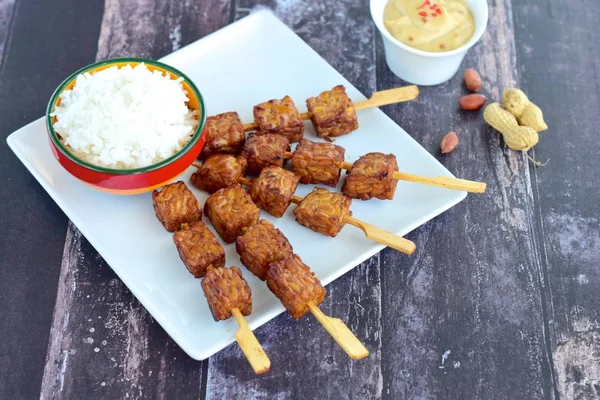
(500, 300)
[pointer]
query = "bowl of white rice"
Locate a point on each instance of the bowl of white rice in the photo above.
(126, 126)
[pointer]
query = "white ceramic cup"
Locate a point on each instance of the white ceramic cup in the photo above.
(423, 67)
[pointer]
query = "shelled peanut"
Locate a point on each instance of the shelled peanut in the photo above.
(472, 80)
(449, 142)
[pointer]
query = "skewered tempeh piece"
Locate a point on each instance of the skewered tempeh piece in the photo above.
(231, 211)
(174, 205)
(227, 294)
(377, 99)
(273, 189)
(372, 175)
(317, 162)
(260, 246)
(279, 117)
(219, 171)
(263, 150)
(300, 291)
(224, 134)
(332, 113)
(198, 248)
(323, 211)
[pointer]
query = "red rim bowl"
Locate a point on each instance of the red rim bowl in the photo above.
(138, 180)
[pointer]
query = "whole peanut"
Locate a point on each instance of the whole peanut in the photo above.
(472, 80)
(527, 113)
(449, 142)
(516, 137)
(472, 102)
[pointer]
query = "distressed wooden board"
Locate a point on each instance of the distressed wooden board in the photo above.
(567, 189)
(306, 362)
(33, 227)
(103, 343)
(518, 285)
(468, 322)
(7, 8)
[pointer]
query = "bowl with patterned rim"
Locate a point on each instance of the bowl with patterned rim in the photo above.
(134, 180)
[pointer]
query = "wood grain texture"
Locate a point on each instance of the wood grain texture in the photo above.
(567, 188)
(306, 362)
(103, 343)
(499, 301)
(468, 323)
(33, 226)
(7, 8)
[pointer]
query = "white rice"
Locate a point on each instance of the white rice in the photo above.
(125, 117)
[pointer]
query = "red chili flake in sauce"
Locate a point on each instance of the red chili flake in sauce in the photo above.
(438, 11)
(423, 14)
(425, 3)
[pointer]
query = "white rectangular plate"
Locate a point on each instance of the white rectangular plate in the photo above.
(253, 60)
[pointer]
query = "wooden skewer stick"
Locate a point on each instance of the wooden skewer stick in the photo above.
(249, 344)
(377, 99)
(340, 333)
(440, 181)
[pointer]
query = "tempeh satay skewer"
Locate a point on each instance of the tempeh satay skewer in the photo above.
(381, 98)
(371, 232)
(299, 290)
(332, 113)
(224, 287)
(439, 181)
(263, 245)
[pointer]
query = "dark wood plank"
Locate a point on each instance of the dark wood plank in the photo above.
(463, 318)
(562, 36)
(306, 362)
(103, 343)
(7, 8)
(37, 49)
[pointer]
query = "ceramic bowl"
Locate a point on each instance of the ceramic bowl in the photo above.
(423, 67)
(137, 180)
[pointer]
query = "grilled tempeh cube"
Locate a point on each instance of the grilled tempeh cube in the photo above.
(280, 117)
(332, 113)
(263, 150)
(294, 285)
(226, 289)
(372, 175)
(224, 134)
(273, 189)
(174, 205)
(262, 245)
(198, 248)
(231, 211)
(323, 211)
(219, 171)
(318, 162)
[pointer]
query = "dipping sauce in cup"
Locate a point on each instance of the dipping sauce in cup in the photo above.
(442, 32)
(429, 25)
